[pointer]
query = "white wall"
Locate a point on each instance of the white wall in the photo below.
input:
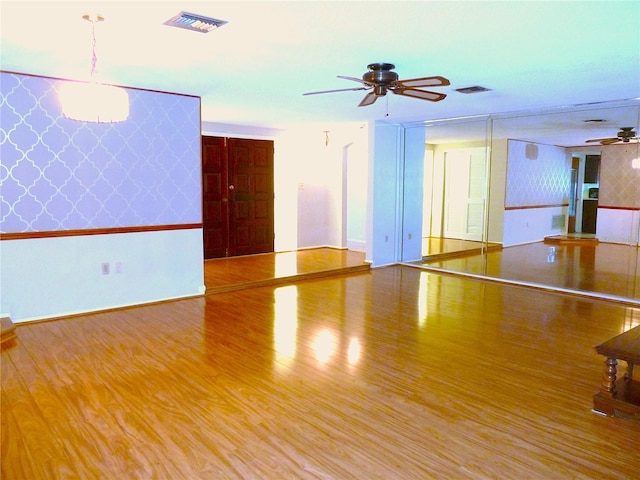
(529, 225)
(356, 159)
(326, 208)
(412, 193)
(497, 188)
(384, 230)
(63, 275)
(618, 226)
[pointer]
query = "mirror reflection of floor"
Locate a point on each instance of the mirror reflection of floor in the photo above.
(235, 273)
(604, 268)
(438, 247)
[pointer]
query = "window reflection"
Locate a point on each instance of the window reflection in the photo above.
(286, 264)
(423, 285)
(632, 319)
(354, 352)
(285, 325)
(324, 345)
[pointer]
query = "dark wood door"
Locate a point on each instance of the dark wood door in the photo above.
(215, 205)
(250, 196)
(238, 213)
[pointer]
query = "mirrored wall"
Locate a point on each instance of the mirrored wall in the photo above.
(547, 198)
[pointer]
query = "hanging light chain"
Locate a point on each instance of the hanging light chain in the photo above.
(94, 57)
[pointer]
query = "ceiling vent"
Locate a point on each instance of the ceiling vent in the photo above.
(196, 23)
(474, 89)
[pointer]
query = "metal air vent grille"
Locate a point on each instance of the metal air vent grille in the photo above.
(194, 22)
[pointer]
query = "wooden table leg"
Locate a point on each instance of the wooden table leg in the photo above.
(629, 373)
(608, 385)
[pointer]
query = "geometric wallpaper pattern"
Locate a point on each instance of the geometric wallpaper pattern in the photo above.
(63, 174)
(619, 182)
(542, 179)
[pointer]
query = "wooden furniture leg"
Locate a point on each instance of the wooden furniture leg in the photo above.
(608, 385)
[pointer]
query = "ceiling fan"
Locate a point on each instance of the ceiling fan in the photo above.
(624, 135)
(380, 79)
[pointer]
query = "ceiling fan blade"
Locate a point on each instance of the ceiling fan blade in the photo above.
(353, 79)
(436, 81)
(368, 99)
(600, 140)
(609, 141)
(333, 91)
(421, 94)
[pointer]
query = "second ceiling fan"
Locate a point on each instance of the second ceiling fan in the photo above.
(380, 79)
(625, 135)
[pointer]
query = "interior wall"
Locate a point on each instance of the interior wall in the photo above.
(321, 172)
(356, 185)
(62, 178)
(52, 277)
(384, 230)
(537, 189)
(497, 189)
(619, 193)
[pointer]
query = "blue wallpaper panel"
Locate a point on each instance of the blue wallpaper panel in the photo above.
(544, 180)
(61, 174)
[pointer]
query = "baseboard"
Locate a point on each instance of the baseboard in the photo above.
(7, 330)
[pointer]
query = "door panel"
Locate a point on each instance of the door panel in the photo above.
(251, 174)
(465, 178)
(238, 194)
(214, 197)
(476, 195)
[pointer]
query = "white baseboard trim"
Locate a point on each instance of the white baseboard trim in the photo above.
(77, 313)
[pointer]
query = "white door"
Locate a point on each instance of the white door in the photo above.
(465, 184)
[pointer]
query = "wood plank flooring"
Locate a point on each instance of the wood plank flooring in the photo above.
(233, 273)
(439, 248)
(606, 268)
(396, 373)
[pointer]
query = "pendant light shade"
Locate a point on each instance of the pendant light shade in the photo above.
(94, 101)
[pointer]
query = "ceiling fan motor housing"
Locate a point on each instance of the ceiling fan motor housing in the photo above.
(626, 133)
(380, 74)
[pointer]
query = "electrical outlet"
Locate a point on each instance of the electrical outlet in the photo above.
(106, 268)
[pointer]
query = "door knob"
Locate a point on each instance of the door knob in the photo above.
(231, 187)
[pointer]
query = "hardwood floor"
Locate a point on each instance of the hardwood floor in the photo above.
(439, 248)
(396, 373)
(605, 268)
(233, 273)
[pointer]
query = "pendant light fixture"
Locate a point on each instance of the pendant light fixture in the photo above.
(94, 101)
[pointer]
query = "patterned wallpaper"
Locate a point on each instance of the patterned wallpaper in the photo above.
(543, 179)
(61, 174)
(619, 182)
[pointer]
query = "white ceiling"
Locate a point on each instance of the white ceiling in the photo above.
(254, 70)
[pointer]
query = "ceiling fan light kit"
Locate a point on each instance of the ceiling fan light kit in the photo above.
(380, 79)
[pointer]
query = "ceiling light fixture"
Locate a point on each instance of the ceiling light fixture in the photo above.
(94, 101)
(194, 22)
